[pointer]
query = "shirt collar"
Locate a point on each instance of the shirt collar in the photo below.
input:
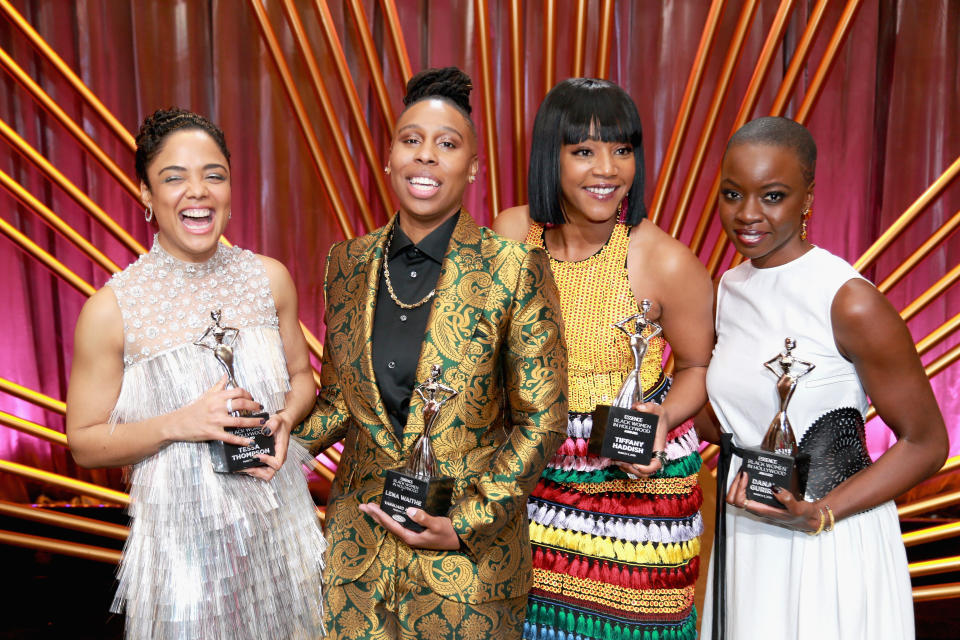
(433, 246)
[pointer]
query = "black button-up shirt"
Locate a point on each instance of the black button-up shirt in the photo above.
(398, 333)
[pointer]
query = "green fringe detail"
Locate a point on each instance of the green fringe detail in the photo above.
(597, 628)
(681, 468)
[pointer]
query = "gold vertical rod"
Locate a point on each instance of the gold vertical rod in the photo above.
(373, 65)
(70, 484)
(33, 429)
(799, 59)
(319, 161)
(931, 293)
(937, 592)
(931, 567)
(907, 217)
(749, 102)
(922, 252)
(78, 196)
(56, 223)
(396, 38)
(603, 44)
(88, 96)
(549, 44)
(826, 63)
(51, 263)
(326, 106)
(938, 335)
(790, 79)
(579, 38)
(931, 534)
(682, 123)
(517, 101)
(86, 551)
(489, 109)
(41, 96)
(730, 61)
(929, 504)
(33, 397)
(66, 520)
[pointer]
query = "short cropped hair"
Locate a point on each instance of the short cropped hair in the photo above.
(449, 84)
(575, 110)
(160, 124)
(780, 132)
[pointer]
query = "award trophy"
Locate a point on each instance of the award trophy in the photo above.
(619, 432)
(418, 485)
(777, 461)
(228, 458)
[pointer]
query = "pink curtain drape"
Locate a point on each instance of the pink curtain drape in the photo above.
(886, 125)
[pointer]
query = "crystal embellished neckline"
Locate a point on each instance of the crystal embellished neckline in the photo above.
(190, 269)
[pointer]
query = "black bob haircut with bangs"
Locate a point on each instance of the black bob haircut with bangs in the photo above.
(575, 110)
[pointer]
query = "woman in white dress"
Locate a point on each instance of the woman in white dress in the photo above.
(830, 564)
(210, 555)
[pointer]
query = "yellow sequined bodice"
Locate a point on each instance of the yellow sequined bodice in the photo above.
(594, 294)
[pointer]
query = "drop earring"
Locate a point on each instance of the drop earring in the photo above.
(148, 213)
(386, 170)
(803, 223)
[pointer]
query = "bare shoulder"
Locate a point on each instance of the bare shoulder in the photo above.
(861, 315)
(513, 223)
(659, 251)
(100, 320)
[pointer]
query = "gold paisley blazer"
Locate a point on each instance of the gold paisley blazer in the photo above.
(495, 328)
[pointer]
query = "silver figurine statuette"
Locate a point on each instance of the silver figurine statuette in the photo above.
(419, 485)
(777, 462)
(619, 432)
(228, 458)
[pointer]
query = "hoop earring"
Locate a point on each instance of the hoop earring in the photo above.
(148, 213)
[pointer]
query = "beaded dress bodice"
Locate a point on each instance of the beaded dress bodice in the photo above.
(594, 294)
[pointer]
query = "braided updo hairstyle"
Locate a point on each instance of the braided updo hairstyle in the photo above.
(449, 84)
(160, 124)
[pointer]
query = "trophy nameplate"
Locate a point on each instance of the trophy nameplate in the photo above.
(229, 458)
(777, 461)
(418, 484)
(619, 432)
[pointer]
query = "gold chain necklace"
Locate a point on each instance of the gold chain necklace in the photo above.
(386, 276)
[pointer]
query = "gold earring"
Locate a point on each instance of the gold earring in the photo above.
(386, 169)
(803, 223)
(471, 179)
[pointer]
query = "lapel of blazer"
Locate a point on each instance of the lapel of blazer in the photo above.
(370, 262)
(462, 291)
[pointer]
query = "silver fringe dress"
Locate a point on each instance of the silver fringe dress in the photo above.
(210, 555)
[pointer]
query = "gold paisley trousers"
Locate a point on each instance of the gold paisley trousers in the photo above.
(495, 328)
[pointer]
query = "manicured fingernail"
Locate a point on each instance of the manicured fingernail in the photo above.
(266, 431)
(251, 442)
(263, 421)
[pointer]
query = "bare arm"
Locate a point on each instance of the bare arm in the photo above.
(303, 391)
(95, 386)
(870, 333)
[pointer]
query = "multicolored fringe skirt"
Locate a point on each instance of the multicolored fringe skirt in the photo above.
(615, 558)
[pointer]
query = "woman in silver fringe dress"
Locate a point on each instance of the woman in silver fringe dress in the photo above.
(210, 555)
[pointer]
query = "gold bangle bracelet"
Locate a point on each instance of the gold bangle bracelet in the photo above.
(823, 520)
(830, 515)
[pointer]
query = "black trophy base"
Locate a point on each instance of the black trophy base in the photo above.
(402, 490)
(767, 470)
(623, 434)
(230, 458)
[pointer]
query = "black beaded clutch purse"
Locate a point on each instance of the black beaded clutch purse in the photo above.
(836, 449)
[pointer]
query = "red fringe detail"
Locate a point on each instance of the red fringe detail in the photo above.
(679, 430)
(641, 578)
(621, 503)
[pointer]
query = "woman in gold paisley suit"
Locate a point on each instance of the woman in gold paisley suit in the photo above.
(431, 288)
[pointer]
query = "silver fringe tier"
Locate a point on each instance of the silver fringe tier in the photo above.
(212, 555)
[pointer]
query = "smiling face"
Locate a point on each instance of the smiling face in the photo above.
(189, 191)
(763, 196)
(432, 158)
(594, 177)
